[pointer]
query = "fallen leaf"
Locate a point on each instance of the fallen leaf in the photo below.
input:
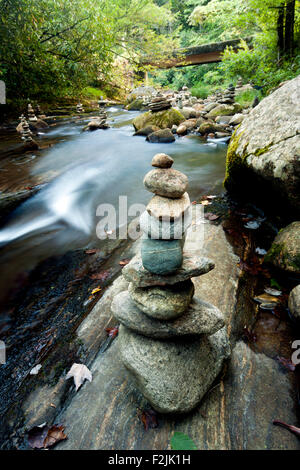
(211, 216)
(274, 292)
(94, 291)
(123, 262)
(37, 436)
(194, 202)
(100, 276)
(112, 332)
(266, 298)
(80, 373)
(90, 252)
(252, 225)
(211, 196)
(260, 251)
(148, 418)
(291, 428)
(35, 369)
(205, 203)
(55, 434)
(286, 363)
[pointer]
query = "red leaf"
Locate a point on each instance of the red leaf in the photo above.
(112, 332)
(148, 418)
(40, 437)
(90, 252)
(291, 428)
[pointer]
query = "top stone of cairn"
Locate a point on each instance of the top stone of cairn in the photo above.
(161, 160)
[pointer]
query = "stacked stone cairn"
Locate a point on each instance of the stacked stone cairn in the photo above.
(159, 103)
(239, 84)
(172, 343)
(31, 116)
(229, 95)
(79, 108)
(29, 143)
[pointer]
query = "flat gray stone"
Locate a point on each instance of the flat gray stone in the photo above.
(163, 302)
(163, 229)
(170, 209)
(173, 375)
(201, 318)
(166, 182)
(161, 256)
(192, 266)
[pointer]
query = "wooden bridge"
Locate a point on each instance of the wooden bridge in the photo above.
(205, 54)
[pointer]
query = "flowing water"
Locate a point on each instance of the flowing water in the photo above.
(87, 169)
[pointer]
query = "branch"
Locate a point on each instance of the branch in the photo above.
(63, 31)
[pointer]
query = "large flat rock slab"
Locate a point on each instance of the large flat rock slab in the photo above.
(236, 414)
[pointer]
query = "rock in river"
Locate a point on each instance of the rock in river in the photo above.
(294, 302)
(163, 369)
(285, 250)
(166, 182)
(164, 136)
(200, 318)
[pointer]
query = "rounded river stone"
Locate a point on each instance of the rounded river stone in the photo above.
(161, 256)
(161, 160)
(163, 303)
(166, 182)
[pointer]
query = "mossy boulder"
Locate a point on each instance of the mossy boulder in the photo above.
(263, 154)
(209, 126)
(162, 119)
(136, 105)
(285, 250)
(225, 110)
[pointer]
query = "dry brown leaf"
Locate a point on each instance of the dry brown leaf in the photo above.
(80, 373)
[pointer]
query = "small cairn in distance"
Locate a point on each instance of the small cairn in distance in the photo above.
(31, 116)
(79, 108)
(159, 103)
(26, 135)
(229, 95)
(173, 343)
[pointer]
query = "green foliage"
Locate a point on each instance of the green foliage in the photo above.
(246, 97)
(181, 441)
(91, 92)
(201, 90)
(50, 48)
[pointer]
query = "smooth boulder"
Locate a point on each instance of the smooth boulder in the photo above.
(173, 375)
(285, 250)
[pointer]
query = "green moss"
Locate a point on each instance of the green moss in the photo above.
(162, 119)
(135, 105)
(233, 161)
(274, 252)
(263, 150)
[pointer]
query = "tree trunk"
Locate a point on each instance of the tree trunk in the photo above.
(289, 27)
(280, 30)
